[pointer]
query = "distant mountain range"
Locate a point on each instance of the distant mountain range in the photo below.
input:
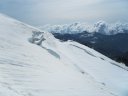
(113, 46)
(99, 27)
(108, 39)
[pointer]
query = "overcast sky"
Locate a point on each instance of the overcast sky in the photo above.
(41, 12)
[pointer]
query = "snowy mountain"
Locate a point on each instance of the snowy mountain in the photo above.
(108, 39)
(99, 27)
(113, 46)
(34, 63)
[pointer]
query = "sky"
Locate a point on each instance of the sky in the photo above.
(41, 12)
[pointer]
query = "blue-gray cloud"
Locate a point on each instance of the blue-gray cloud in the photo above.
(40, 12)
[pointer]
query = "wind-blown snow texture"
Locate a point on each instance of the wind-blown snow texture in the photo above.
(100, 27)
(53, 68)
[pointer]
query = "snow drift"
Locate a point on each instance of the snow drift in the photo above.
(100, 27)
(34, 63)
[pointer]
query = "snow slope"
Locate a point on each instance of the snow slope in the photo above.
(54, 68)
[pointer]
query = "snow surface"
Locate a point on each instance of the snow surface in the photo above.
(100, 27)
(53, 68)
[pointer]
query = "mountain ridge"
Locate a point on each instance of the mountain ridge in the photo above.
(101, 27)
(113, 46)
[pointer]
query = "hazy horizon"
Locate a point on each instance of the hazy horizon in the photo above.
(41, 12)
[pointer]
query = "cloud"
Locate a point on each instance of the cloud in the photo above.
(40, 12)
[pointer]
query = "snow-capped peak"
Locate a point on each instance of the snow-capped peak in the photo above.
(99, 27)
